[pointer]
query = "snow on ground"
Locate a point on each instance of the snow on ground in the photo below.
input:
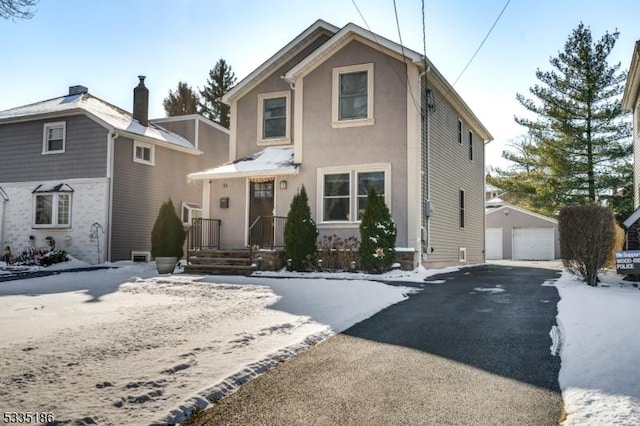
(124, 346)
(599, 377)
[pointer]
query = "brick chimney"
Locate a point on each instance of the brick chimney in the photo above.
(141, 102)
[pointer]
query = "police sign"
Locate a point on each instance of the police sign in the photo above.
(628, 262)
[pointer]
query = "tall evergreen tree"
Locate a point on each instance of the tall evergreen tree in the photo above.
(300, 233)
(580, 137)
(221, 79)
(377, 234)
(183, 101)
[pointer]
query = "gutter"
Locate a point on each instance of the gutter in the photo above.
(4, 197)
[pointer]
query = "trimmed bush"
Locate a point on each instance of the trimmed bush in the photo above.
(587, 240)
(377, 235)
(300, 233)
(168, 234)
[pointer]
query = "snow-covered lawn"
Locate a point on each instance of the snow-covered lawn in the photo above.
(600, 351)
(127, 346)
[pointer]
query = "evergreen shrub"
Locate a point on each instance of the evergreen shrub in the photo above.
(300, 233)
(377, 235)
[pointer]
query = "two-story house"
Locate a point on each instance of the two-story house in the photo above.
(339, 110)
(92, 176)
(631, 102)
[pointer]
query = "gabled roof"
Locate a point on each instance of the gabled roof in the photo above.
(271, 161)
(632, 219)
(518, 209)
(632, 87)
(288, 51)
(108, 115)
(338, 40)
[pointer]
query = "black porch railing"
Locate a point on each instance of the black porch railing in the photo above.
(267, 232)
(204, 233)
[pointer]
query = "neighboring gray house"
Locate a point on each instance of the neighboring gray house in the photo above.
(75, 162)
(339, 110)
(631, 102)
(519, 234)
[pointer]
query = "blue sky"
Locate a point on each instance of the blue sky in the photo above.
(105, 45)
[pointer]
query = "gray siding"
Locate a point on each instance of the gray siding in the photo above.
(214, 143)
(140, 189)
(185, 128)
(451, 170)
(21, 157)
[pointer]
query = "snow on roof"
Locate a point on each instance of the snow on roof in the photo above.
(489, 188)
(270, 161)
(110, 115)
(495, 200)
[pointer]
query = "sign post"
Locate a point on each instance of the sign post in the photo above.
(628, 262)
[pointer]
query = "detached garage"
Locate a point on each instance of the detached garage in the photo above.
(519, 234)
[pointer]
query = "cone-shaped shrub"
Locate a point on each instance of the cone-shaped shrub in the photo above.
(168, 234)
(300, 233)
(377, 235)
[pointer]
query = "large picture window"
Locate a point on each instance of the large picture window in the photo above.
(343, 191)
(54, 138)
(352, 96)
(52, 206)
(273, 118)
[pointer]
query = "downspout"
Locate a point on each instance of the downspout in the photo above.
(428, 248)
(112, 136)
(4, 197)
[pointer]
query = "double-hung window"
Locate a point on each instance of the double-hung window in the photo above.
(144, 153)
(54, 138)
(274, 118)
(352, 96)
(343, 191)
(52, 206)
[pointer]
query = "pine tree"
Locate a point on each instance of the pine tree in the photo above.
(183, 101)
(168, 234)
(580, 146)
(300, 233)
(221, 79)
(17, 9)
(377, 234)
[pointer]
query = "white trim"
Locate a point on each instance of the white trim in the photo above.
(206, 199)
(196, 117)
(191, 209)
(246, 210)
(414, 161)
(144, 146)
(196, 133)
(233, 126)
(336, 121)
(462, 208)
(298, 120)
(462, 254)
(460, 131)
(55, 203)
(470, 146)
(353, 171)
(45, 137)
(110, 152)
(262, 141)
(146, 254)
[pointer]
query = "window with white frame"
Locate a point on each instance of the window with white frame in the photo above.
(343, 191)
(460, 131)
(462, 208)
(54, 138)
(470, 145)
(189, 212)
(352, 96)
(52, 206)
(144, 153)
(274, 117)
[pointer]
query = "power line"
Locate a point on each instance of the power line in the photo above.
(482, 43)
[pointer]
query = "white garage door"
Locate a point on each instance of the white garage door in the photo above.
(533, 244)
(493, 243)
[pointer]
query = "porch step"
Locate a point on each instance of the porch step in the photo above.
(219, 262)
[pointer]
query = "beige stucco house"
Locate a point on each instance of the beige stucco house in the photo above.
(339, 110)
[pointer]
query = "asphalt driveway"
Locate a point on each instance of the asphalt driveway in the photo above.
(473, 348)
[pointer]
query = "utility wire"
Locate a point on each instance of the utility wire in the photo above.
(482, 43)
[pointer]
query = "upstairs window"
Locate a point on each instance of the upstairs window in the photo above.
(460, 131)
(462, 207)
(54, 138)
(352, 96)
(470, 146)
(144, 153)
(273, 118)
